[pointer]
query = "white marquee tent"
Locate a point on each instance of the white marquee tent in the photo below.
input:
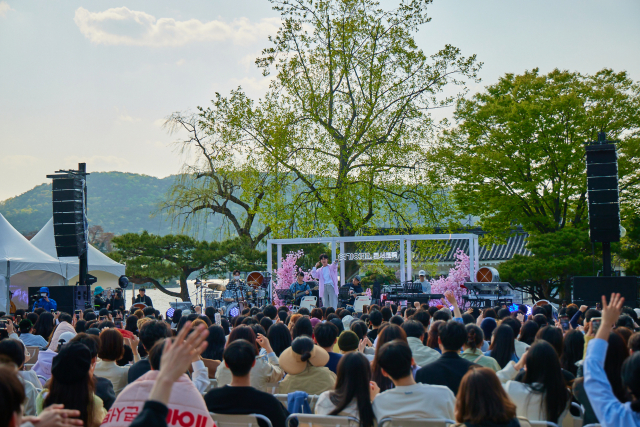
(106, 270)
(23, 265)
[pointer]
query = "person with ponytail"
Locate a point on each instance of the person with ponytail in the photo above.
(608, 409)
(472, 349)
(304, 362)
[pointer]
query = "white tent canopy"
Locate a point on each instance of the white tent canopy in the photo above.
(23, 265)
(98, 261)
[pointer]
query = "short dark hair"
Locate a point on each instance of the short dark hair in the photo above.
(375, 317)
(323, 256)
(103, 312)
(152, 332)
(149, 311)
(395, 358)
(452, 335)
(266, 323)
(14, 350)
(91, 341)
(270, 311)
(325, 334)
(396, 320)
(513, 324)
(304, 311)
(413, 329)
(155, 354)
(442, 315)
(386, 313)
(65, 317)
(25, 326)
(503, 313)
(239, 356)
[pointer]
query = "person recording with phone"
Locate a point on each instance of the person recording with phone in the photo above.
(45, 302)
(117, 302)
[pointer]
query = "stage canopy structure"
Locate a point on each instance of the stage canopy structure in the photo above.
(106, 270)
(404, 256)
(23, 265)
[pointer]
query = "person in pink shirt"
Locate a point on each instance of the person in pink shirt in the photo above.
(327, 276)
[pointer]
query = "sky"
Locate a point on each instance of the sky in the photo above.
(92, 81)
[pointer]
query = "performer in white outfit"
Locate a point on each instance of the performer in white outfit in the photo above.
(327, 276)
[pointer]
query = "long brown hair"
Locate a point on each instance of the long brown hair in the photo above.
(74, 396)
(482, 398)
(389, 333)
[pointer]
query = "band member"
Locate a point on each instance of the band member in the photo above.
(426, 285)
(235, 289)
(301, 287)
(143, 298)
(99, 301)
(117, 302)
(355, 288)
(327, 276)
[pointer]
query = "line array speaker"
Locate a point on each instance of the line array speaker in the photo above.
(69, 219)
(602, 193)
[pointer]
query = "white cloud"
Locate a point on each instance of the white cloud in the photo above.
(4, 8)
(122, 26)
(159, 122)
(181, 62)
(124, 117)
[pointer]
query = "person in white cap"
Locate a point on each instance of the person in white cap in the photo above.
(426, 285)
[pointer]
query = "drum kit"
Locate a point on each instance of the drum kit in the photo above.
(249, 294)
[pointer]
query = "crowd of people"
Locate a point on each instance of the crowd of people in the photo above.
(490, 367)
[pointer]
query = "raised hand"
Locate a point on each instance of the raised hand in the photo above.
(610, 314)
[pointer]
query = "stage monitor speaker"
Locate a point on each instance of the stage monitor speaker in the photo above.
(68, 298)
(602, 193)
(589, 290)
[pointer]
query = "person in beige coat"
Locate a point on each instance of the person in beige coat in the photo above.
(267, 368)
(304, 364)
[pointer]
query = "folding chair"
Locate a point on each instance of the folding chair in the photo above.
(360, 302)
(272, 388)
(312, 399)
(309, 303)
(308, 420)
(571, 420)
(426, 422)
(542, 424)
(33, 352)
(251, 420)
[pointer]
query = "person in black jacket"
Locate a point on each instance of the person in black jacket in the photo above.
(150, 333)
(239, 397)
(449, 369)
(143, 298)
(117, 302)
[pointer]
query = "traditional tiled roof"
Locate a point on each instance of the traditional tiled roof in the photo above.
(516, 244)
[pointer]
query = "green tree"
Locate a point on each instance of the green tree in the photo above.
(516, 156)
(215, 183)
(556, 258)
(157, 259)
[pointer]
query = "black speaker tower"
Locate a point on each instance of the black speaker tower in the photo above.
(69, 192)
(602, 194)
